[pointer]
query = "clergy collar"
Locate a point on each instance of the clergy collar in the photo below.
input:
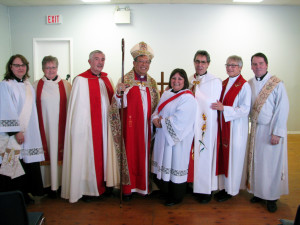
(176, 91)
(234, 77)
(139, 77)
(54, 79)
(262, 77)
(18, 79)
(99, 75)
(197, 75)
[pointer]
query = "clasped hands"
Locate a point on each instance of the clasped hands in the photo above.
(217, 106)
(157, 122)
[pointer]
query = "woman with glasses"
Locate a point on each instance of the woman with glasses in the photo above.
(52, 94)
(20, 143)
(174, 119)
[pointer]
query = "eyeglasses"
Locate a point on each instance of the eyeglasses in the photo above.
(144, 62)
(19, 65)
(200, 62)
(231, 65)
(50, 68)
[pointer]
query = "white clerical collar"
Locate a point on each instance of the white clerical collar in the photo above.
(234, 78)
(262, 77)
(197, 75)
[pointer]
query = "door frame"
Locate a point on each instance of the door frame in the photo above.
(35, 42)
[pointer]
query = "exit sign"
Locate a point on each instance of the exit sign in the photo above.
(54, 19)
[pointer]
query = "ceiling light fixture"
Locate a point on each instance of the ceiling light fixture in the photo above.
(248, 1)
(95, 1)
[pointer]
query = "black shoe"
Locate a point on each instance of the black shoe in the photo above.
(204, 199)
(224, 197)
(255, 199)
(127, 198)
(52, 194)
(108, 192)
(219, 194)
(171, 202)
(87, 198)
(28, 199)
(271, 206)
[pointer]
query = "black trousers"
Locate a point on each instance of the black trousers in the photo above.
(30, 182)
(172, 190)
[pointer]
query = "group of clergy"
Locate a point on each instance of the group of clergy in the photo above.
(196, 135)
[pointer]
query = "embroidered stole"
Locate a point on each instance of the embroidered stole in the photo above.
(224, 134)
(162, 105)
(257, 106)
(61, 122)
(96, 122)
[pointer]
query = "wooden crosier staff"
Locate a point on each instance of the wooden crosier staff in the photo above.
(121, 139)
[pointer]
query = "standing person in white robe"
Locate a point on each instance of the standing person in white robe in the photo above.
(267, 154)
(139, 101)
(20, 139)
(234, 108)
(52, 101)
(174, 119)
(207, 89)
(87, 140)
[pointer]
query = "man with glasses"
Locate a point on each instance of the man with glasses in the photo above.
(267, 163)
(207, 89)
(139, 101)
(233, 107)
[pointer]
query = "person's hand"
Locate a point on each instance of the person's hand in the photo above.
(217, 106)
(275, 139)
(120, 87)
(19, 138)
(157, 122)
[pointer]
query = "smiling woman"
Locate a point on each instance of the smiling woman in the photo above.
(19, 127)
(174, 120)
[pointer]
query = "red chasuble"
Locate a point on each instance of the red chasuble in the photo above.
(61, 122)
(134, 138)
(96, 120)
(224, 134)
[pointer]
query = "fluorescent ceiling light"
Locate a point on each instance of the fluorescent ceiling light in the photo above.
(248, 1)
(94, 1)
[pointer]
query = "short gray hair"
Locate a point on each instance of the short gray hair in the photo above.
(49, 58)
(236, 58)
(94, 52)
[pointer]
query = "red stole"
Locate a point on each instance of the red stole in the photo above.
(134, 138)
(162, 105)
(224, 134)
(96, 120)
(61, 122)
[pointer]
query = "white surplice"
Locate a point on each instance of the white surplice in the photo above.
(13, 95)
(270, 171)
(79, 176)
(170, 158)
(207, 92)
(50, 102)
(237, 114)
